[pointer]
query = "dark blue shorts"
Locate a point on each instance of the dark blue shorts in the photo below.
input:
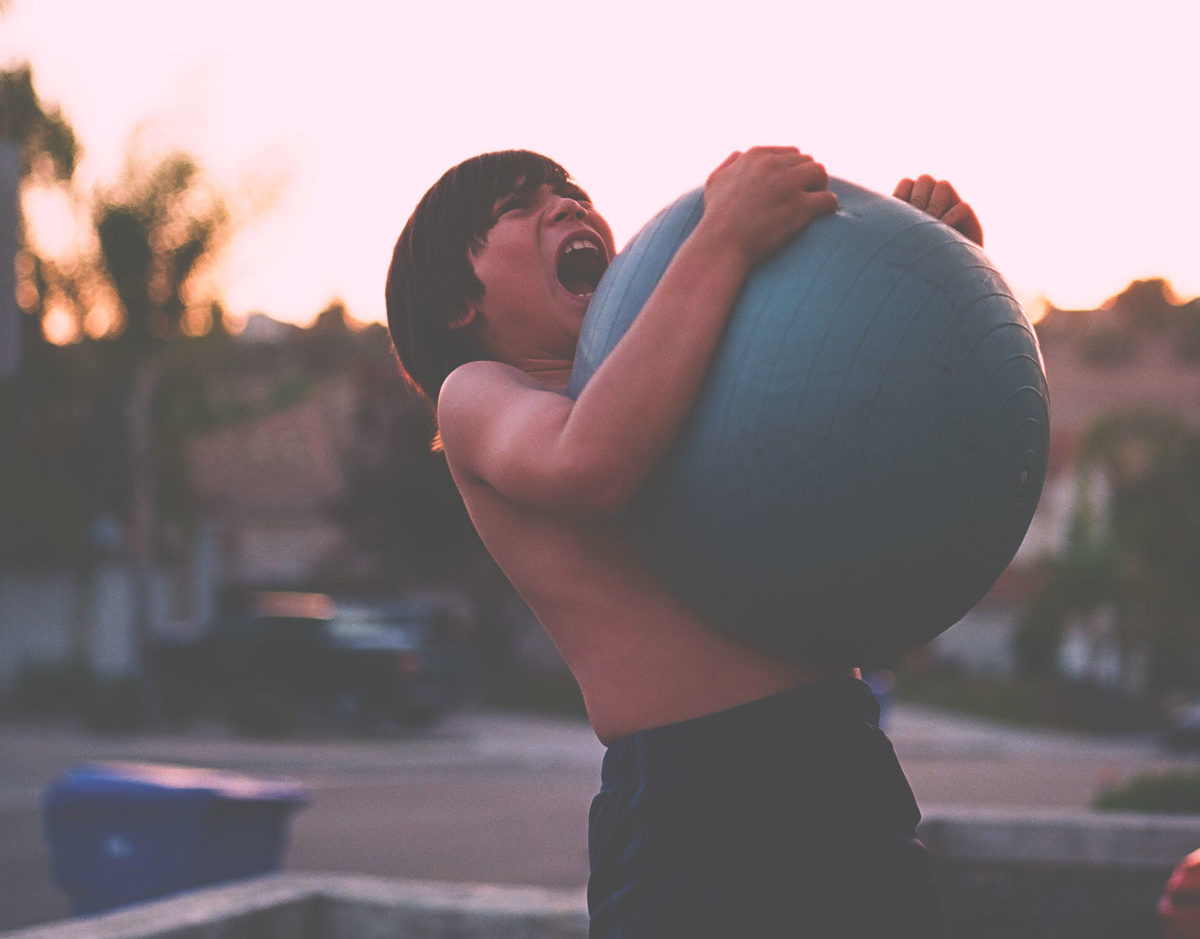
(785, 817)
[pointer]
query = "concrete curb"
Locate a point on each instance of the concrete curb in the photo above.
(337, 906)
(1055, 875)
(1035, 873)
(1108, 840)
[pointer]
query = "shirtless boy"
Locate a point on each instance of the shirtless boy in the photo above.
(741, 795)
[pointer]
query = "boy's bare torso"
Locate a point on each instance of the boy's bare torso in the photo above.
(641, 658)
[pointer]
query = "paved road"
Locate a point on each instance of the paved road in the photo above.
(489, 797)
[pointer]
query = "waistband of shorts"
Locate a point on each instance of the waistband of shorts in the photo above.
(820, 705)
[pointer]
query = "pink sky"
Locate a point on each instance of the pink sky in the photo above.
(1073, 128)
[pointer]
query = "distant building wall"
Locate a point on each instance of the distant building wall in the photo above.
(10, 346)
(277, 550)
(56, 617)
(51, 618)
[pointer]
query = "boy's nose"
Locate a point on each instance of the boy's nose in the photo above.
(567, 208)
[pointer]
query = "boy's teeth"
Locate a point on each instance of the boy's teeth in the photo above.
(581, 265)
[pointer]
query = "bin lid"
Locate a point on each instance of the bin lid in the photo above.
(109, 781)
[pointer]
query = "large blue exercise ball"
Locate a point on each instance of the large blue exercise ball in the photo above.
(867, 451)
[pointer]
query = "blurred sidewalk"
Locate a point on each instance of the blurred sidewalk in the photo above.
(919, 731)
(31, 753)
(503, 798)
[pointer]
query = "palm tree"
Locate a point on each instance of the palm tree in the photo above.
(156, 228)
(47, 155)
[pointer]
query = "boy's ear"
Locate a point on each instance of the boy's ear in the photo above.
(464, 319)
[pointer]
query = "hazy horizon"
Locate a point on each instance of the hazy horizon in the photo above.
(1074, 139)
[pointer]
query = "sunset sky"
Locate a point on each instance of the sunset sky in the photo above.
(1073, 128)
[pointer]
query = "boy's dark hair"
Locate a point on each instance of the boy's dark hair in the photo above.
(431, 282)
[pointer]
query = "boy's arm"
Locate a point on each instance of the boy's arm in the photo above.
(938, 198)
(591, 455)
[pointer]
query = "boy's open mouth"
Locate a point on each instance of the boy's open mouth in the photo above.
(581, 265)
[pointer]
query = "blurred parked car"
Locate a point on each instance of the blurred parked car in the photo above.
(361, 663)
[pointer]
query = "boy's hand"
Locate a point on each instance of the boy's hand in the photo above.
(755, 201)
(938, 198)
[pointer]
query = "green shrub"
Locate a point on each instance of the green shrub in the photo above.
(1038, 701)
(1009, 701)
(1172, 793)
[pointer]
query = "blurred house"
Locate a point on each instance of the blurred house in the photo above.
(1138, 353)
(269, 489)
(266, 488)
(264, 492)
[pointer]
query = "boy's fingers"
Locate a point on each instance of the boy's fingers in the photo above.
(823, 202)
(957, 215)
(777, 150)
(812, 175)
(941, 199)
(962, 219)
(921, 191)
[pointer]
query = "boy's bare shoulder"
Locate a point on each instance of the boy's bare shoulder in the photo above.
(474, 384)
(465, 389)
(478, 395)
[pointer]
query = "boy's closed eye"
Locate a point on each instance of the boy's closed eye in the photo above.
(514, 203)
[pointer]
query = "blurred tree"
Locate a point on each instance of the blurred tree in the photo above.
(49, 152)
(1132, 557)
(402, 509)
(49, 149)
(55, 413)
(157, 230)
(39, 406)
(1146, 304)
(405, 516)
(331, 341)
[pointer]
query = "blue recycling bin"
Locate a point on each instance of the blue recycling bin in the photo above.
(121, 833)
